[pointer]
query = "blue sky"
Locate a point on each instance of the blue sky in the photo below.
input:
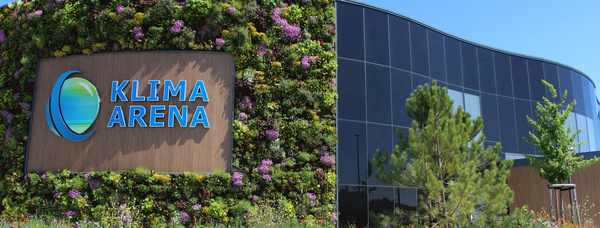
(566, 32)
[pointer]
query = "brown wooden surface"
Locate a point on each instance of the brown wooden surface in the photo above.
(162, 149)
(531, 190)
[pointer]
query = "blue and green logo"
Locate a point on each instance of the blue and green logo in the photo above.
(72, 107)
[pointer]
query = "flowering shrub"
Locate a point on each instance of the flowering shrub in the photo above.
(284, 106)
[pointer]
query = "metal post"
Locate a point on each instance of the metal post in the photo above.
(550, 195)
(577, 206)
(557, 205)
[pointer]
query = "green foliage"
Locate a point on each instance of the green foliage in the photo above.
(273, 93)
(456, 176)
(554, 142)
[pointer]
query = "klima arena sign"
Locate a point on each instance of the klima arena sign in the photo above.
(123, 111)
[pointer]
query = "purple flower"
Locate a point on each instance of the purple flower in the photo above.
(60, 1)
(31, 80)
(220, 42)
(263, 169)
(94, 184)
(184, 3)
(9, 117)
(305, 1)
(246, 215)
(247, 105)
(74, 193)
(237, 179)
(313, 198)
(87, 176)
(306, 61)
(328, 159)
(267, 178)
(3, 37)
(177, 26)
(243, 118)
(262, 50)
(137, 31)
(122, 207)
(334, 218)
(126, 218)
(120, 9)
(25, 177)
(17, 73)
(56, 195)
(44, 176)
(278, 20)
(184, 216)
(38, 13)
(196, 207)
(16, 96)
(1, 60)
(5, 113)
(71, 214)
(232, 10)
(267, 162)
(271, 134)
(254, 198)
(292, 32)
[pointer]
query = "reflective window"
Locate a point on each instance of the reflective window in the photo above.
(457, 97)
(566, 83)
(418, 49)
(399, 43)
(591, 134)
(508, 133)
(353, 205)
(589, 94)
(376, 34)
(536, 74)
(469, 61)
(381, 200)
(378, 94)
(352, 152)
(380, 137)
(418, 80)
(551, 76)
(401, 90)
(578, 91)
(503, 78)
(489, 107)
(472, 105)
(523, 109)
(453, 61)
(437, 63)
(520, 79)
(406, 198)
(486, 70)
(572, 122)
(351, 90)
(350, 43)
(583, 136)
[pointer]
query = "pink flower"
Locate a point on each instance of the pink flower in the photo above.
(220, 42)
(236, 178)
(120, 9)
(38, 13)
(232, 10)
(306, 61)
(177, 26)
(3, 37)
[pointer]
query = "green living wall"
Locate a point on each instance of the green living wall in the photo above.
(284, 130)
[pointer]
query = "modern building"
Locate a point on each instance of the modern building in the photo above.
(383, 56)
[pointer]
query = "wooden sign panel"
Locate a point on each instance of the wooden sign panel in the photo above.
(166, 149)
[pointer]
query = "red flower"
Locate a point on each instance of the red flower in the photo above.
(302, 220)
(24, 219)
(321, 220)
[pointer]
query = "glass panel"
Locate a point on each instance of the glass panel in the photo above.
(589, 95)
(472, 105)
(381, 200)
(566, 83)
(489, 107)
(508, 133)
(353, 205)
(378, 94)
(418, 49)
(401, 90)
(591, 134)
(523, 109)
(513, 156)
(486, 70)
(350, 37)
(399, 43)
(551, 76)
(406, 198)
(457, 97)
(583, 136)
(469, 61)
(380, 137)
(578, 91)
(453, 61)
(503, 78)
(352, 152)
(419, 80)
(376, 34)
(519, 77)
(572, 122)
(437, 63)
(536, 74)
(351, 90)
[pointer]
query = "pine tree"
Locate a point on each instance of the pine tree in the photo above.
(455, 175)
(554, 141)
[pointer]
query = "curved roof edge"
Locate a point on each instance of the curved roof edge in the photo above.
(367, 5)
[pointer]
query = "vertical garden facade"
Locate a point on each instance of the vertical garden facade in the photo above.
(384, 56)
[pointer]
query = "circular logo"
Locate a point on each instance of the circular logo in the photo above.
(72, 107)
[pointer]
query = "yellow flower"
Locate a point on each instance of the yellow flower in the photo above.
(98, 47)
(258, 73)
(314, 115)
(25, 25)
(87, 51)
(295, 46)
(199, 178)
(226, 5)
(117, 177)
(276, 64)
(59, 54)
(66, 48)
(224, 33)
(297, 64)
(113, 15)
(164, 178)
(137, 19)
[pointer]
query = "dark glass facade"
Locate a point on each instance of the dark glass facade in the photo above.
(384, 56)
